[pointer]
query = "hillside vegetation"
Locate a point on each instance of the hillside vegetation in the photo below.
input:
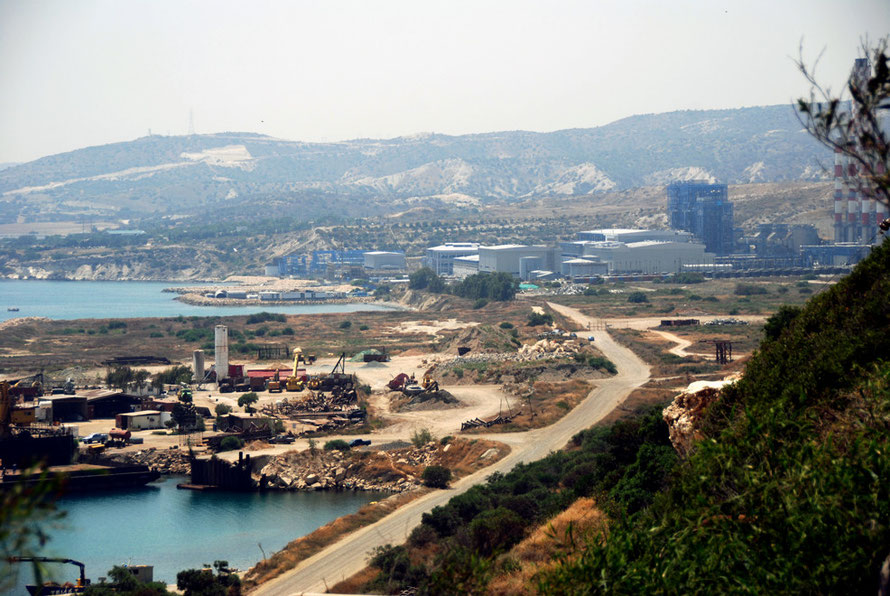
(159, 175)
(787, 491)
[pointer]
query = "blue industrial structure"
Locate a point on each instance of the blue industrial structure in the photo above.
(703, 209)
(322, 258)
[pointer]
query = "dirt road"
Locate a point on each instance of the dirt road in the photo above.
(682, 344)
(348, 556)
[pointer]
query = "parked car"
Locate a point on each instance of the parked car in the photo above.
(95, 438)
(590, 338)
(359, 442)
(282, 439)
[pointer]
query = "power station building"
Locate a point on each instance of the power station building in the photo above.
(633, 251)
(856, 216)
(704, 210)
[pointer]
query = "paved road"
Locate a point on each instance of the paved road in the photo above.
(347, 557)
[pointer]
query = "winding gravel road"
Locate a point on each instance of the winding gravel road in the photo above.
(348, 556)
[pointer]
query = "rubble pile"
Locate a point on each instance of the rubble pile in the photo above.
(165, 461)
(540, 350)
(395, 471)
(427, 400)
(546, 348)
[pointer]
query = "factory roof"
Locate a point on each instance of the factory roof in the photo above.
(612, 231)
(468, 259)
(644, 243)
(455, 247)
(142, 413)
(582, 262)
(383, 252)
(505, 246)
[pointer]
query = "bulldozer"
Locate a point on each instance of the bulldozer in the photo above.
(274, 385)
(429, 383)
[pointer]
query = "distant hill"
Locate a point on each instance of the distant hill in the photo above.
(186, 174)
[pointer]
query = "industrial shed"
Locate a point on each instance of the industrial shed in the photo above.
(105, 403)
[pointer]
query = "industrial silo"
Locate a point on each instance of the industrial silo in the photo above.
(222, 353)
(198, 365)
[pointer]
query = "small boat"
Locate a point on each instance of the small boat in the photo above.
(13, 309)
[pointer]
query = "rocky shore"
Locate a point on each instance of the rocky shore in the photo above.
(171, 462)
(201, 300)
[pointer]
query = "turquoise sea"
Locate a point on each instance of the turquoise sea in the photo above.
(125, 299)
(175, 529)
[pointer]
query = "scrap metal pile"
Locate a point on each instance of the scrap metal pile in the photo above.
(338, 400)
(500, 419)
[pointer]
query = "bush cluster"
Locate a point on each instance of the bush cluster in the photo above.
(627, 463)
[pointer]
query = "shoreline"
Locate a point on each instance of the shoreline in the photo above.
(195, 299)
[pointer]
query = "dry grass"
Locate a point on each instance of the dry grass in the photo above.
(465, 456)
(302, 548)
(582, 521)
(355, 584)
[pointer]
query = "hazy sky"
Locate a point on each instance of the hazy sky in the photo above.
(75, 73)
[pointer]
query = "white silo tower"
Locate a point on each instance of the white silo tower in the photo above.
(222, 353)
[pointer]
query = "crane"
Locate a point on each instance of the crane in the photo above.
(82, 581)
(295, 381)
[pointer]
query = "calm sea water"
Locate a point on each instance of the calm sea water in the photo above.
(176, 529)
(125, 299)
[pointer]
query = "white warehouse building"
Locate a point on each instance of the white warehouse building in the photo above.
(634, 235)
(441, 258)
(516, 259)
(380, 259)
(649, 256)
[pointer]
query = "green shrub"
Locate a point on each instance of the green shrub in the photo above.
(601, 362)
(262, 317)
(421, 437)
(230, 444)
(436, 476)
(345, 325)
(336, 445)
(535, 319)
(686, 277)
(363, 327)
(747, 289)
(480, 303)
(506, 325)
(637, 297)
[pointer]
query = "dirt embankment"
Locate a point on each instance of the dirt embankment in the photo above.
(426, 302)
(394, 470)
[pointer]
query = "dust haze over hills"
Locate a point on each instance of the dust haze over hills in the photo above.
(160, 175)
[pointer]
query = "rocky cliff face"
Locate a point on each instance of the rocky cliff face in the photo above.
(683, 416)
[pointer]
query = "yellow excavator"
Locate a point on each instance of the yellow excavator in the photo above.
(295, 381)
